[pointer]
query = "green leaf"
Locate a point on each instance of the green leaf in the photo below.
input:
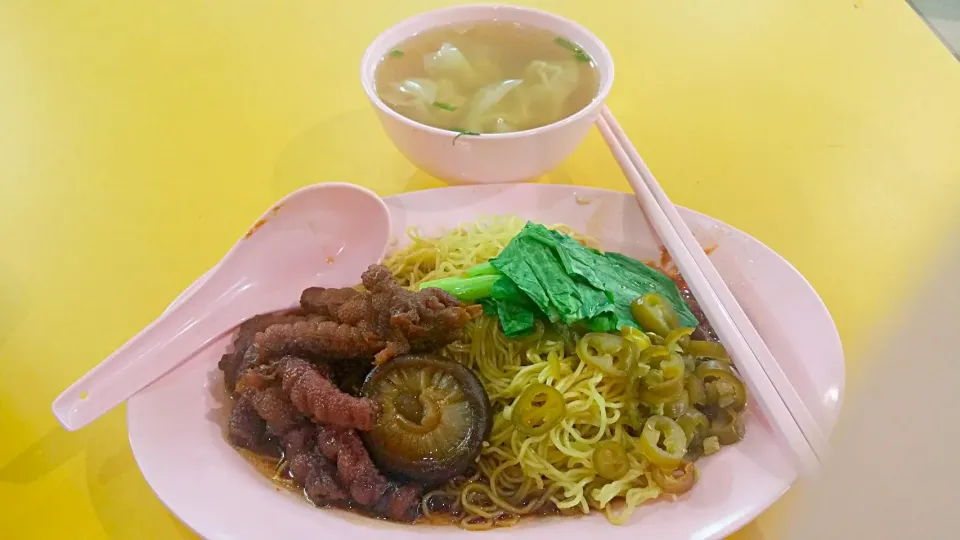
(630, 278)
(543, 274)
(607, 322)
(551, 276)
(489, 306)
(532, 263)
(514, 308)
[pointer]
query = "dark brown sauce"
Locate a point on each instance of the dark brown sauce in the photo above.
(446, 511)
(272, 468)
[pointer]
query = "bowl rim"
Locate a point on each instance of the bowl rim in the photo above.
(605, 60)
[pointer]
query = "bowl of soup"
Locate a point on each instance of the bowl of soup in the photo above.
(487, 93)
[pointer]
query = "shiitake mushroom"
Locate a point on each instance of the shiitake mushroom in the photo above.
(435, 417)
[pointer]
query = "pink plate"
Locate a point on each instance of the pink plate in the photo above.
(177, 441)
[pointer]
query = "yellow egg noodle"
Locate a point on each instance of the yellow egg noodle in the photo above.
(519, 474)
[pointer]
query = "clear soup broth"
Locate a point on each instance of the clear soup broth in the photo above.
(487, 77)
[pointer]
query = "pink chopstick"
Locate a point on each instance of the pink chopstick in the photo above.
(764, 377)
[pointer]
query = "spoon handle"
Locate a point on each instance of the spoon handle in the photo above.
(200, 318)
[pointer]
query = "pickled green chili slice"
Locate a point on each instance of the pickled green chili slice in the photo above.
(653, 313)
(706, 349)
(652, 354)
(698, 393)
(668, 380)
(609, 353)
(713, 366)
(711, 445)
(660, 390)
(695, 425)
(673, 367)
(635, 373)
(637, 416)
(674, 442)
(538, 409)
(676, 337)
(690, 363)
(678, 405)
(677, 481)
(639, 340)
(721, 393)
(720, 381)
(727, 427)
(610, 460)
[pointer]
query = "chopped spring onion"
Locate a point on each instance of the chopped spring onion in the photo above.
(566, 44)
(578, 52)
(462, 132)
(444, 106)
(396, 53)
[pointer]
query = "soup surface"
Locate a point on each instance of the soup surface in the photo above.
(489, 77)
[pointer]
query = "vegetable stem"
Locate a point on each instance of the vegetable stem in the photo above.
(467, 289)
(482, 269)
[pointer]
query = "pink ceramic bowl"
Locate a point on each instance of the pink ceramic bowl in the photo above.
(488, 158)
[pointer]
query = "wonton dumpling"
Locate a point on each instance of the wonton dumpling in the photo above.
(488, 110)
(411, 93)
(447, 92)
(415, 97)
(449, 62)
(418, 98)
(547, 85)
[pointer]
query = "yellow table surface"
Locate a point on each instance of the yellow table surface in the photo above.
(138, 140)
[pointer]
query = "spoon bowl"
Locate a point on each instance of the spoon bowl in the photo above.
(321, 235)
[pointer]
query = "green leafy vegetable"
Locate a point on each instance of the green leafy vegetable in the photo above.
(532, 263)
(514, 309)
(543, 274)
(396, 53)
(444, 106)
